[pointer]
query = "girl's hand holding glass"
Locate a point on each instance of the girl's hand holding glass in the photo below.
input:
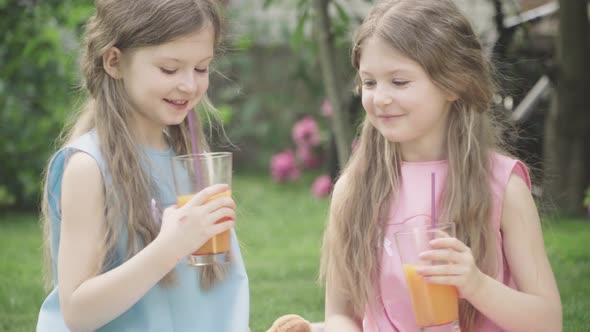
(187, 228)
(461, 270)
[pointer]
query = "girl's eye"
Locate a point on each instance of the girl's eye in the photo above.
(202, 71)
(400, 83)
(168, 71)
(368, 83)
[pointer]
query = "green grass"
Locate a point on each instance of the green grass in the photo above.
(280, 227)
(21, 290)
(568, 248)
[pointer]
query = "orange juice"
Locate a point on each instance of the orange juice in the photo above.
(219, 243)
(433, 304)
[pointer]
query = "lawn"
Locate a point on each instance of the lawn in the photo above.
(280, 229)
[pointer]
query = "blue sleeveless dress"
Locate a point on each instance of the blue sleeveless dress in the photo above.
(181, 307)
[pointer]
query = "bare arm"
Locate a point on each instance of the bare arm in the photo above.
(338, 311)
(339, 316)
(530, 268)
(90, 301)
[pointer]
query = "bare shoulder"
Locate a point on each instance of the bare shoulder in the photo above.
(82, 185)
(518, 200)
(517, 188)
(338, 197)
(340, 187)
(81, 167)
(520, 223)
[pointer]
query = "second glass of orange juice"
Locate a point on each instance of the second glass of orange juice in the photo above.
(193, 173)
(433, 305)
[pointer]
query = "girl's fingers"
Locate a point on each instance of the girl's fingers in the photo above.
(205, 194)
(446, 255)
(442, 280)
(222, 226)
(449, 243)
(220, 214)
(440, 270)
(218, 203)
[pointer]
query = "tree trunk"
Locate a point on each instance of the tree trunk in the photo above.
(340, 119)
(567, 160)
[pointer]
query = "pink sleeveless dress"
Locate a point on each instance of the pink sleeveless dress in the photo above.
(392, 310)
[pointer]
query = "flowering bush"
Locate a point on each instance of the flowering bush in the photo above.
(283, 167)
(286, 165)
(308, 159)
(322, 186)
(306, 132)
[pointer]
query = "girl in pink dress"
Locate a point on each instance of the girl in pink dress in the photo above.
(427, 91)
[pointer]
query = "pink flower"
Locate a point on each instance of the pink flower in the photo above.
(327, 109)
(588, 209)
(322, 186)
(306, 132)
(307, 158)
(283, 167)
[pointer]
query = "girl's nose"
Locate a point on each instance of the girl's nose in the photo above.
(188, 83)
(382, 99)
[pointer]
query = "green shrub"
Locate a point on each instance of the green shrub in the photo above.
(37, 82)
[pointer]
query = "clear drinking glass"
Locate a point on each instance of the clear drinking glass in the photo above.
(192, 173)
(433, 305)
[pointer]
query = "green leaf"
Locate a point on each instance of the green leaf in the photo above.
(303, 5)
(225, 113)
(298, 35)
(78, 15)
(6, 198)
(245, 42)
(342, 13)
(267, 3)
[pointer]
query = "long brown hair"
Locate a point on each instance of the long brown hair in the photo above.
(436, 35)
(128, 24)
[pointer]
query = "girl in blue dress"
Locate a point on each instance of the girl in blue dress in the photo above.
(116, 265)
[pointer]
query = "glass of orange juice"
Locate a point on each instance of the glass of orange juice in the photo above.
(192, 173)
(433, 304)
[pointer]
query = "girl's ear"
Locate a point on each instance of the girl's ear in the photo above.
(451, 96)
(111, 61)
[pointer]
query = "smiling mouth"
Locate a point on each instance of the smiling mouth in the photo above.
(392, 116)
(181, 102)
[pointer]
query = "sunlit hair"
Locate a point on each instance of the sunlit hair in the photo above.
(436, 35)
(127, 25)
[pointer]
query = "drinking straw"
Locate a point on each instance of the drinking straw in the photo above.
(432, 199)
(194, 146)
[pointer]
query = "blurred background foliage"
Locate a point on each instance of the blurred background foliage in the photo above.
(260, 85)
(38, 79)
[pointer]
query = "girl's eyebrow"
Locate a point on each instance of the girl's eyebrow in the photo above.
(173, 59)
(390, 72)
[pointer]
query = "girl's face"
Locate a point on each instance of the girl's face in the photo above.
(165, 81)
(402, 102)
